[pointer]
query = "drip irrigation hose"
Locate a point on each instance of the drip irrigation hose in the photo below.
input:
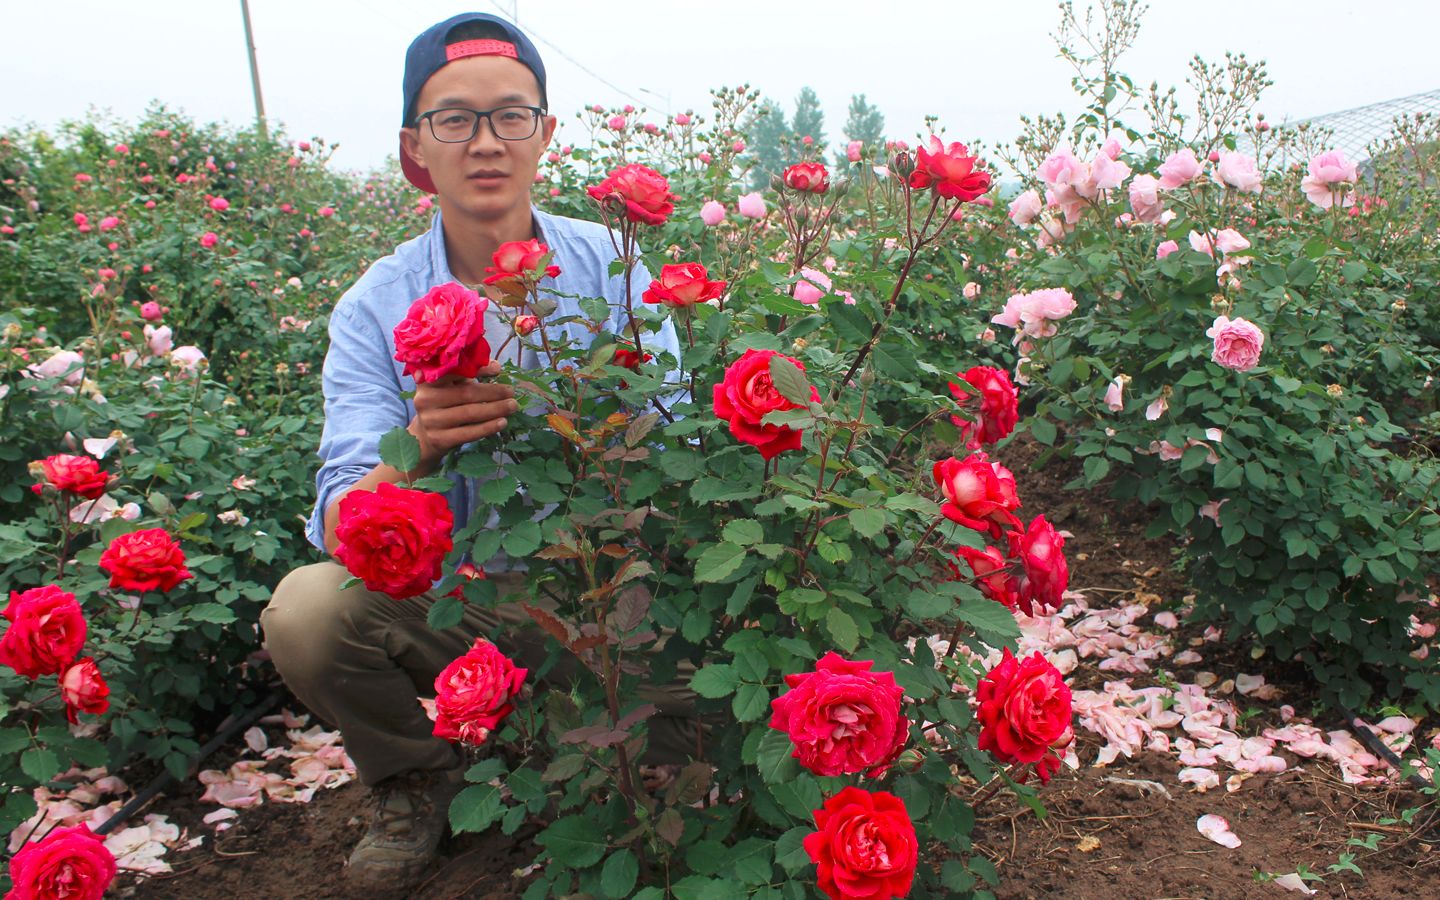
(1373, 743)
(164, 779)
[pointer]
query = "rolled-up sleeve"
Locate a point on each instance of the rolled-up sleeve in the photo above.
(362, 402)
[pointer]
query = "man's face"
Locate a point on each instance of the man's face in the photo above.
(487, 177)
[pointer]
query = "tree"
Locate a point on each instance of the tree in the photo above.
(809, 120)
(865, 123)
(764, 130)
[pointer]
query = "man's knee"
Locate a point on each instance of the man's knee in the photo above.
(309, 618)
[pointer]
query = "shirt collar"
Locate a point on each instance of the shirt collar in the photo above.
(440, 263)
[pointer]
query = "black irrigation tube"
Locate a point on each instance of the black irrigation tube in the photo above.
(164, 779)
(1377, 746)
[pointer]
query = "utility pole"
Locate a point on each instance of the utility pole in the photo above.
(254, 72)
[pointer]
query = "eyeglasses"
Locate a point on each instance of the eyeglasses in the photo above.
(458, 125)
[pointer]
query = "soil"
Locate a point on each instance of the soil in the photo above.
(1101, 838)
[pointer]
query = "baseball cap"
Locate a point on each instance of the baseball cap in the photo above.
(430, 51)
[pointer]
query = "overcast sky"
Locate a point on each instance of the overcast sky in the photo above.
(333, 68)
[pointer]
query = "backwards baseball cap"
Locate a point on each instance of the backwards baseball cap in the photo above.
(432, 50)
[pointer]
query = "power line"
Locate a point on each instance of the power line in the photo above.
(579, 65)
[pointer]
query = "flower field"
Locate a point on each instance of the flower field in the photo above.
(939, 498)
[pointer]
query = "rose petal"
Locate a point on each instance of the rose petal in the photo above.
(1293, 882)
(1217, 829)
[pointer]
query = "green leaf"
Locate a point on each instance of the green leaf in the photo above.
(789, 380)
(1043, 430)
(617, 876)
(399, 449)
(751, 702)
(990, 620)
(790, 849)
(842, 628)
(575, 841)
(40, 763)
(850, 323)
(715, 681)
(867, 522)
(210, 612)
(522, 539)
(1381, 571)
(12, 739)
(774, 759)
(922, 604)
(446, 612)
(743, 531)
(194, 446)
(719, 562)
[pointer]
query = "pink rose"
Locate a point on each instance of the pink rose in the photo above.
(712, 212)
(219, 204)
(1106, 173)
(1237, 343)
(1063, 168)
(970, 291)
(443, 334)
(853, 150)
(751, 206)
(1330, 175)
(1179, 168)
(209, 239)
(842, 718)
(1228, 240)
(1115, 393)
(813, 285)
(159, 340)
(1239, 171)
(1145, 198)
(1111, 148)
(150, 311)
(1024, 208)
(1034, 314)
(475, 692)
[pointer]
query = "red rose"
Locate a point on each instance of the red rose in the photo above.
(473, 693)
(46, 631)
(526, 324)
(76, 474)
(70, 863)
(808, 177)
(147, 560)
(519, 265)
(999, 406)
(443, 334)
(394, 539)
(1025, 713)
(842, 717)
(864, 846)
(1041, 549)
(643, 192)
(626, 358)
(991, 571)
(979, 494)
(951, 170)
(747, 394)
(84, 689)
(683, 285)
(470, 572)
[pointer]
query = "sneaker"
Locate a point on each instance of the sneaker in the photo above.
(411, 817)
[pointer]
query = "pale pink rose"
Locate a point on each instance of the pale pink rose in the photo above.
(1024, 208)
(987, 336)
(1239, 171)
(1111, 148)
(1052, 231)
(751, 206)
(971, 290)
(813, 285)
(852, 151)
(1201, 243)
(682, 119)
(712, 213)
(159, 339)
(1178, 168)
(60, 363)
(187, 358)
(616, 123)
(1067, 199)
(1167, 450)
(1145, 198)
(1165, 249)
(1330, 175)
(1157, 408)
(1107, 174)
(1034, 314)
(109, 222)
(1237, 343)
(1063, 168)
(1228, 240)
(1115, 394)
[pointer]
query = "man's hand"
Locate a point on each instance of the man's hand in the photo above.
(456, 411)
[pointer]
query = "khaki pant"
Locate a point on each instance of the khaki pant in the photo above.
(360, 661)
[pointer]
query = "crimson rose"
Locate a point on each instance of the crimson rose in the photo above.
(683, 285)
(69, 864)
(808, 177)
(46, 630)
(443, 334)
(1025, 713)
(950, 170)
(747, 394)
(394, 539)
(979, 494)
(1041, 549)
(147, 560)
(999, 406)
(473, 693)
(643, 193)
(864, 846)
(83, 689)
(842, 717)
(75, 474)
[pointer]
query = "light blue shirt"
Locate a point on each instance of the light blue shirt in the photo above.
(363, 381)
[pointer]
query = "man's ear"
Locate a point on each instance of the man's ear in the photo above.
(548, 124)
(410, 142)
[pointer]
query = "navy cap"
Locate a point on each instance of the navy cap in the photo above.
(429, 52)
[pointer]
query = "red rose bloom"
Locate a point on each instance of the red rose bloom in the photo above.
(1041, 549)
(951, 171)
(991, 572)
(147, 560)
(46, 631)
(84, 689)
(519, 265)
(999, 406)
(443, 334)
(842, 717)
(1025, 713)
(747, 394)
(473, 694)
(807, 177)
(683, 285)
(470, 572)
(643, 192)
(864, 846)
(979, 494)
(69, 864)
(76, 475)
(394, 539)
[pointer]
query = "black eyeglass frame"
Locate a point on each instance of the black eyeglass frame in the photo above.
(482, 115)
